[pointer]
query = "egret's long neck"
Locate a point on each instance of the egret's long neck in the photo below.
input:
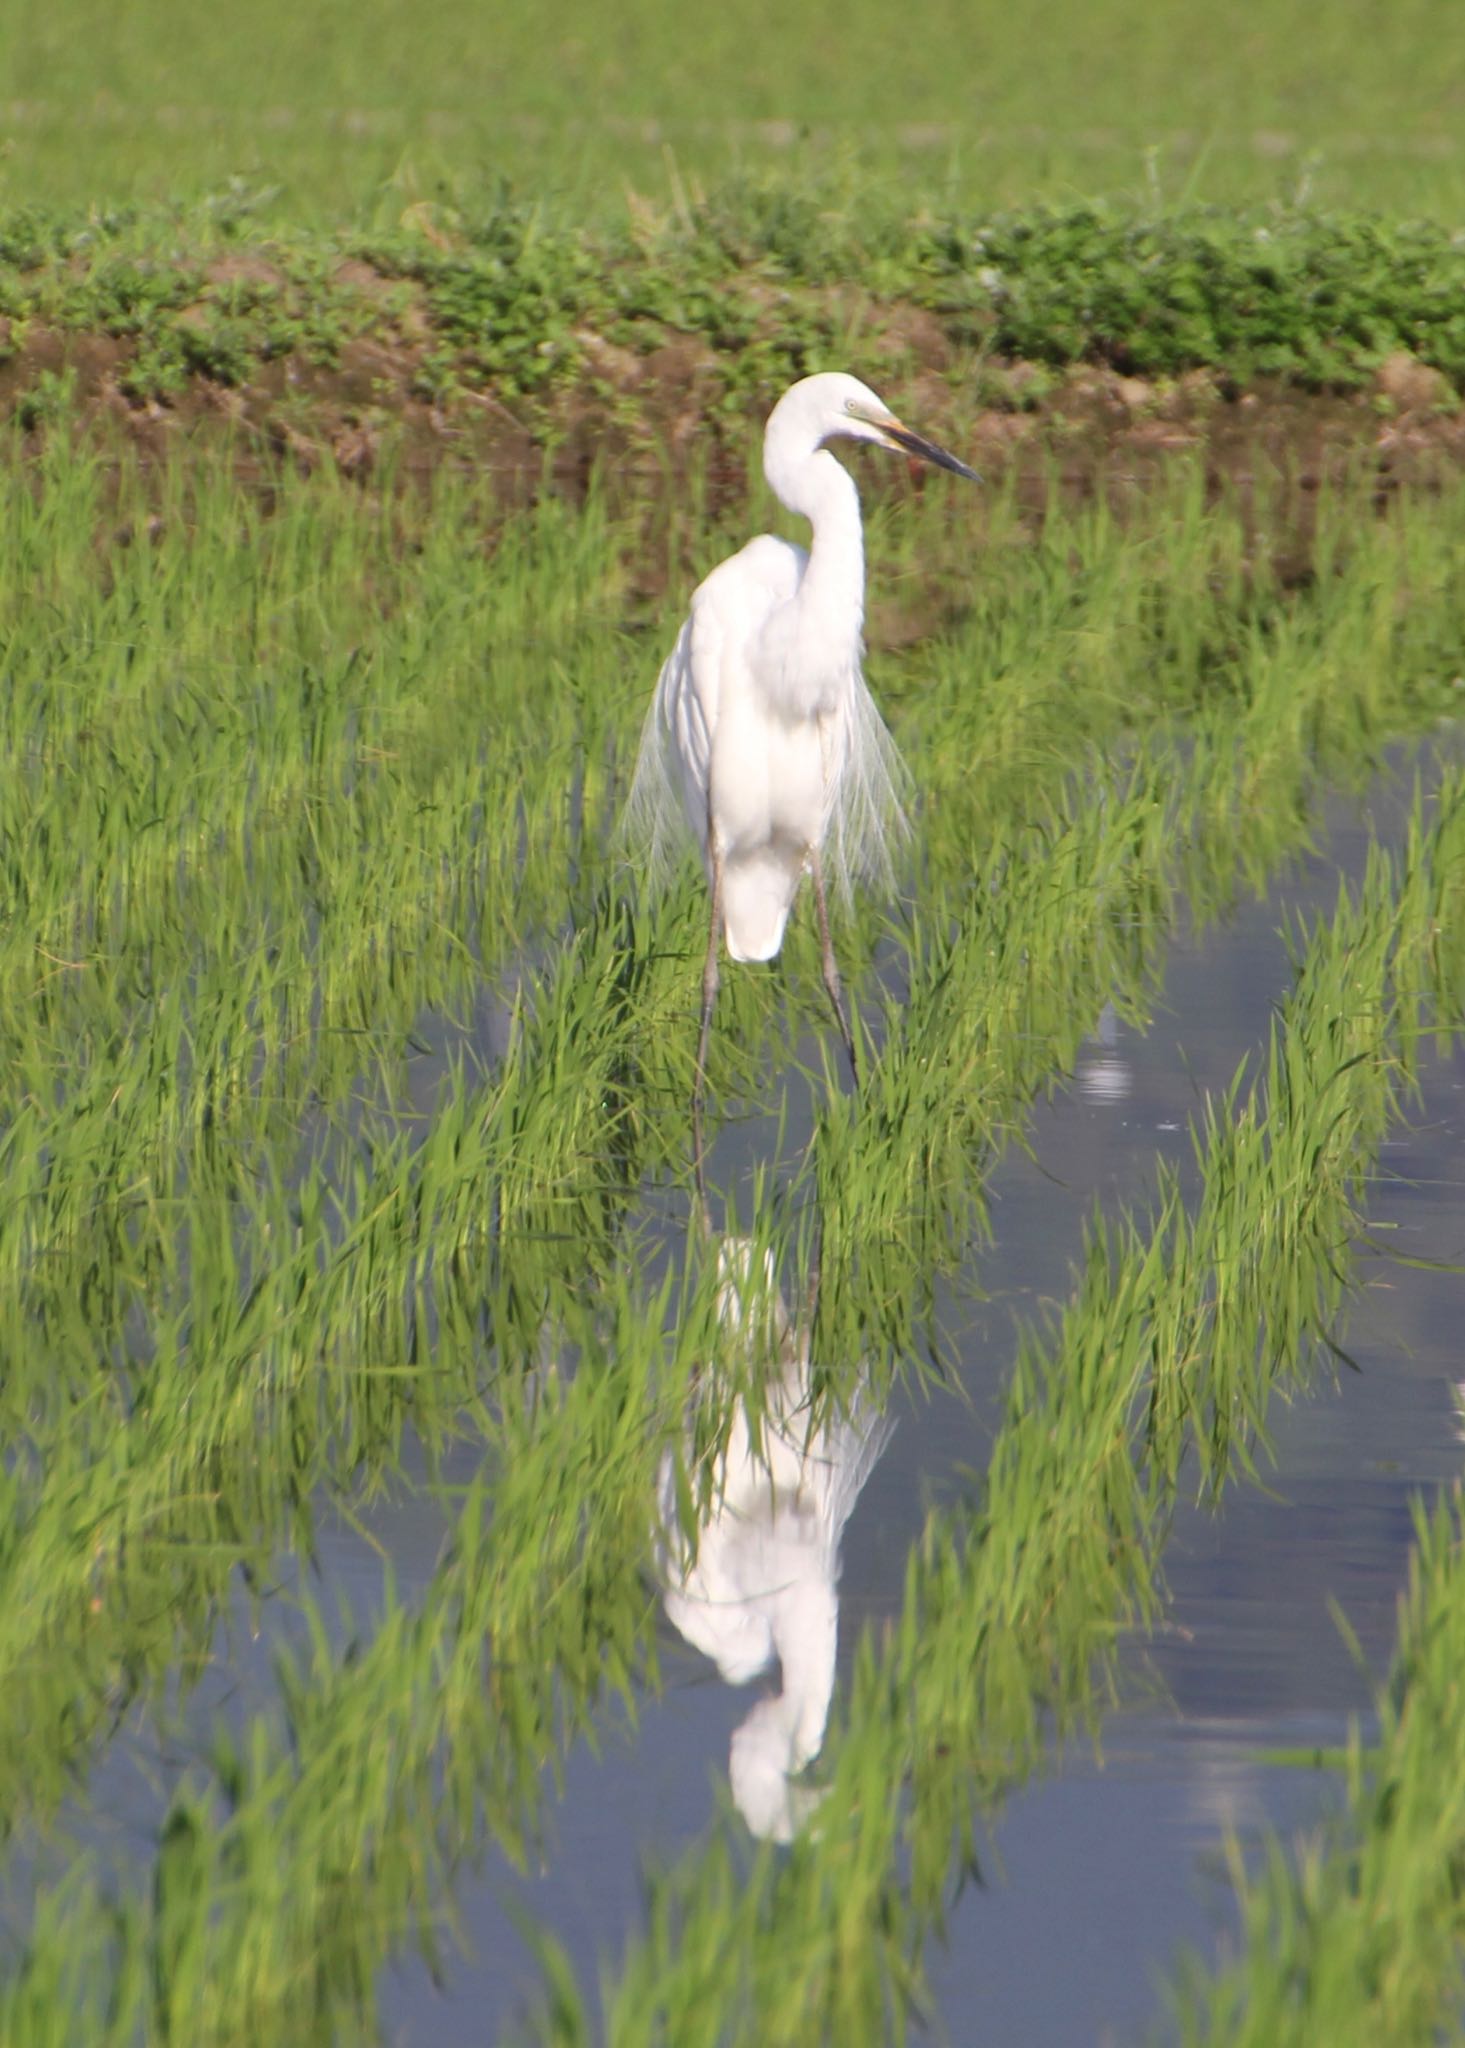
(806, 1633)
(831, 600)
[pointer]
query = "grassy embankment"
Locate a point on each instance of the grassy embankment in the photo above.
(495, 327)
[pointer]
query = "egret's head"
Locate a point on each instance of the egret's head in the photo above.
(833, 406)
(762, 1759)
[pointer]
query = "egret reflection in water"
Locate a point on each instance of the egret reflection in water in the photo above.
(1104, 1075)
(761, 1583)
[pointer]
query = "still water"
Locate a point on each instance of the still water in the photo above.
(1097, 1874)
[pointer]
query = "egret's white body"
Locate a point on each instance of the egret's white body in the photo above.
(762, 1580)
(762, 725)
(762, 736)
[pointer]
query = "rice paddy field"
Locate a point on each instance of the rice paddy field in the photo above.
(334, 106)
(387, 1437)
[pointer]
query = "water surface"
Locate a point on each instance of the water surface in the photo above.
(1095, 1874)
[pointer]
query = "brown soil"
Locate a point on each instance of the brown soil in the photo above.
(641, 417)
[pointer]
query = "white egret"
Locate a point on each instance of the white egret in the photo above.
(761, 1582)
(762, 736)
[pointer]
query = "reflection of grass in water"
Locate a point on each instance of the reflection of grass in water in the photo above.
(283, 785)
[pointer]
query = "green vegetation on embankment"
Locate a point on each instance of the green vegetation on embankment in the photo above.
(704, 313)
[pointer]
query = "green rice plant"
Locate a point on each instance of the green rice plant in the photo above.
(1355, 1935)
(1169, 1354)
(296, 785)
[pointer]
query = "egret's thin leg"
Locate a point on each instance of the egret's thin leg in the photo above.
(831, 967)
(709, 997)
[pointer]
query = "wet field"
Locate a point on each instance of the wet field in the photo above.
(375, 1405)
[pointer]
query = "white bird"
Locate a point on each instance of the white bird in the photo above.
(761, 1582)
(762, 736)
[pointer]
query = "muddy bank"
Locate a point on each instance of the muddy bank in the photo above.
(647, 422)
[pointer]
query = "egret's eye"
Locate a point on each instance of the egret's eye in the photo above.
(849, 405)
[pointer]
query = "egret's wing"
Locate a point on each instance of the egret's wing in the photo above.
(668, 797)
(666, 811)
(869, 820)
(853, 1444)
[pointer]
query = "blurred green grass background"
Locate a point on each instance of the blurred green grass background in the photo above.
(336, 108)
